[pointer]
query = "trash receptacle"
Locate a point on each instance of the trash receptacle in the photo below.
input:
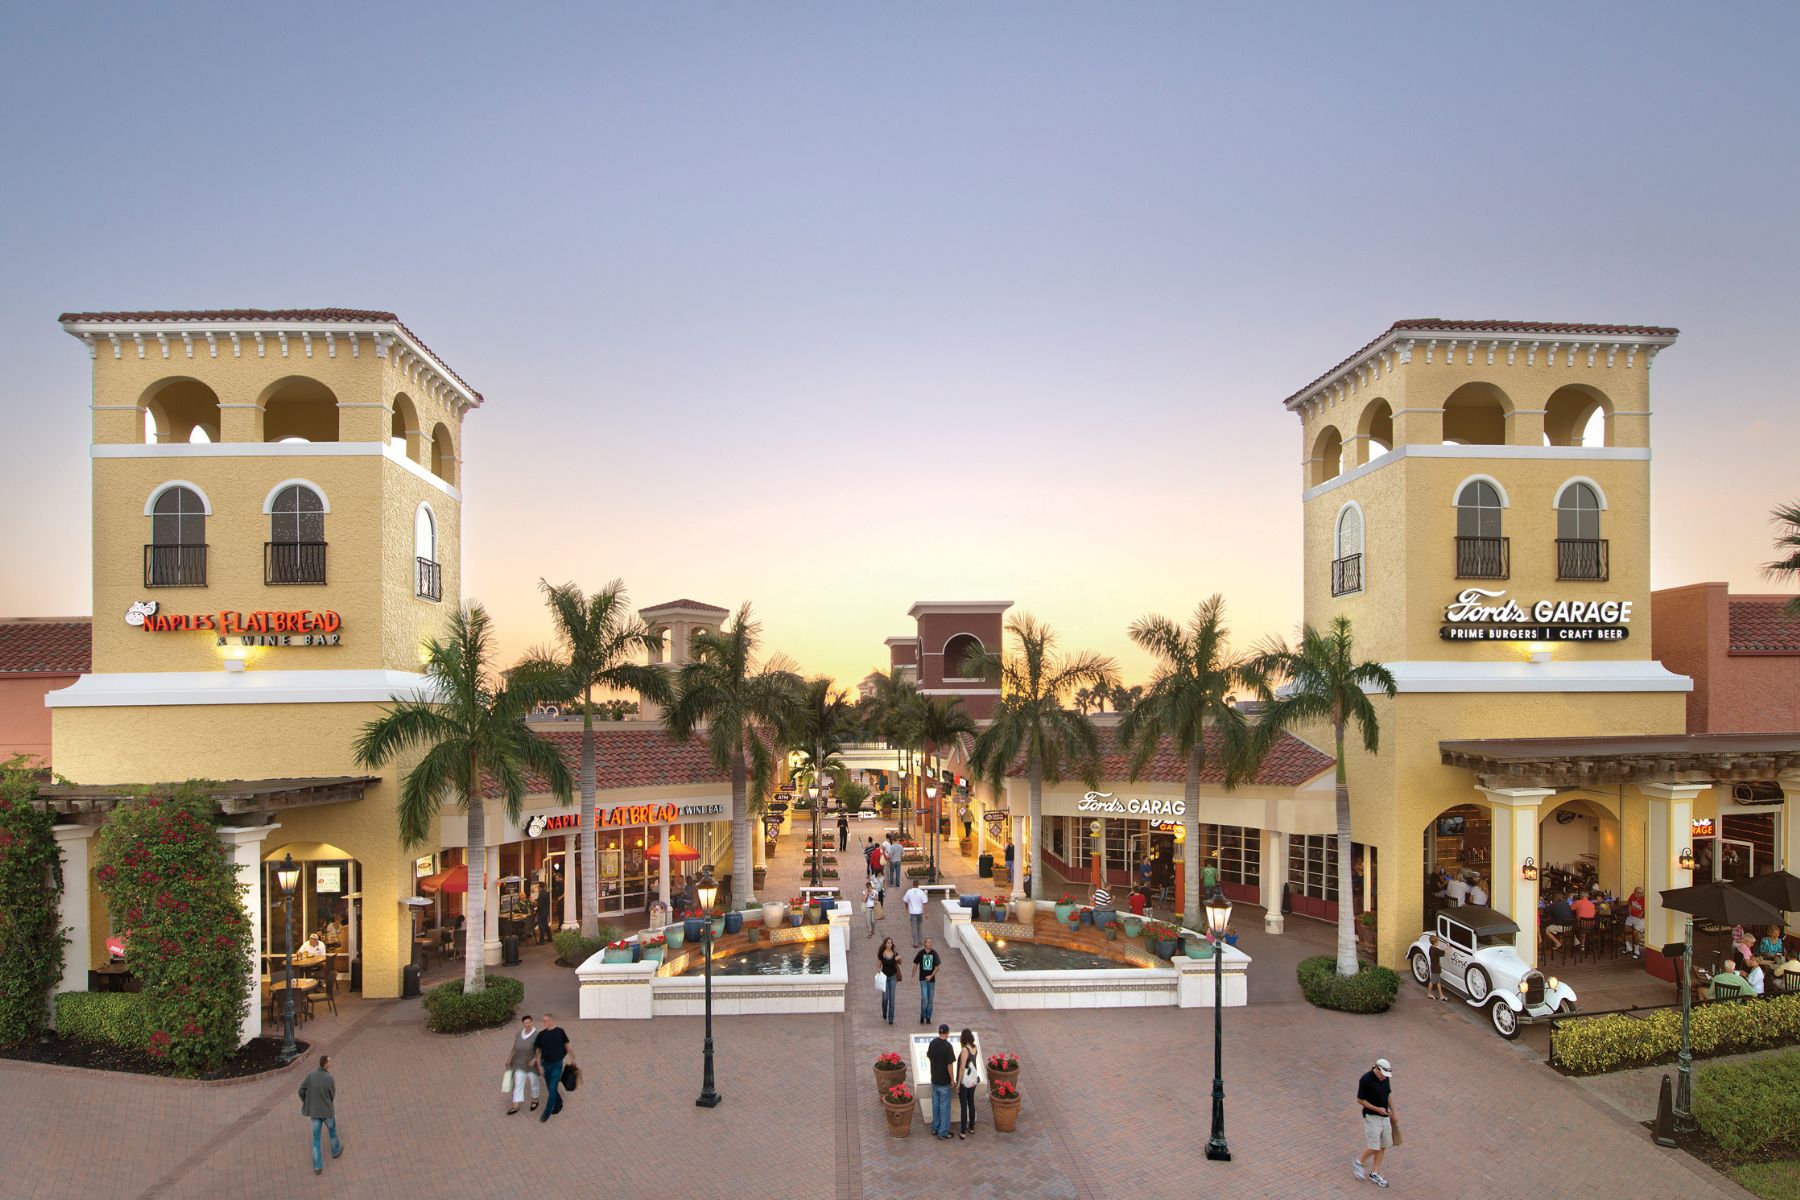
(985, 864)
(509, 950)
(409, 982)
(356, 974)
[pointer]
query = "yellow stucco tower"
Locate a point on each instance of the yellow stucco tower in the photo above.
(1477, 502)
(276, 521)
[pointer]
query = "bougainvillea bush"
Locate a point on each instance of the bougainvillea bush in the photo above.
(175, 895)
(31, 885)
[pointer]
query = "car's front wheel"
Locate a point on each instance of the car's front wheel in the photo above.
(1506, 1021)
(1421, 970)
(1477, 984)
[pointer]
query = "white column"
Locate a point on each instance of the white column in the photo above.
(1671, 812)
(490, 881)
(980, 826)
(571, 918)
(1515, 838)
(77, 906)
(1021, 861)
(1274, 873)
(352, 922)
(245, 846)
(662, 864)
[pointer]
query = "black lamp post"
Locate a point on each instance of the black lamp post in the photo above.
(931, 792)
(812, 797)
(1218, 920)
(287, 876)
(709, 894)
(903, 802)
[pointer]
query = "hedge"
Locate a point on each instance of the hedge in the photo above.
(122, 1018)
(31, 887)
(1752, 1109)
(449, 1010)
(1371, 990)
(1618, 1042)
(572, 949)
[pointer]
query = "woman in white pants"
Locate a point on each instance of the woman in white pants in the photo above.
(519, 1068)
(871, 899)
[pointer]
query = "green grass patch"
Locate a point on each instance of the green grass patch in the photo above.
(1752, 1109)
(1771, 1181)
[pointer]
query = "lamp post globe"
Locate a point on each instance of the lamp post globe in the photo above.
(708, 893)
(1218, 920)
(931, 794)
(287, 877)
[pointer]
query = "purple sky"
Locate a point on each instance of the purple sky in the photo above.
(833, 308)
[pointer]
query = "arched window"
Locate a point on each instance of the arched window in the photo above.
(1475, 414)
(1581, 553)
(1481, 550)
(403, 427)
(176, 555)
(957, 653)
(1328, 455)
(443, 454)
(295, 552)
(1346, 566)
(428, 581)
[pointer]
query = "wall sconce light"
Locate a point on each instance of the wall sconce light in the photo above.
(1686, 858)
(1529, 871)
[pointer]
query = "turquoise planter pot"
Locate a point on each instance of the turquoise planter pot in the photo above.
(609, 955)
(654, 953)
(718, 926)
(677, 935)
(1133, 926)
(1062, 913)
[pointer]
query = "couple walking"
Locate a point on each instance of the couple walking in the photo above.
(956, 1067)
(927, 961)
(533, 1055)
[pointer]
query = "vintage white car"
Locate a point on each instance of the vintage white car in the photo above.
(1481, 963)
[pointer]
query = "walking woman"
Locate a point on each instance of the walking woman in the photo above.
(520, 1069)
(968, 1075)
(889, 958)
(871, 897)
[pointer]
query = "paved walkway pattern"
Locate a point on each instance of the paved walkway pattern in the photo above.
(1117, 1104)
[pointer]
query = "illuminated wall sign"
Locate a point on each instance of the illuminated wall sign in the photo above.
(995, 816)
(544, 823)
(1106, 802)
(702, 810)
(624, 814)
(263, 627)
(1475, 617)
(638, 814)
(1701, 827)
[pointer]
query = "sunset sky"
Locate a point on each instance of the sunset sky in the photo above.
(837, 307)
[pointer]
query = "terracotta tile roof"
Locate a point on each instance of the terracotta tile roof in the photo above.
(160, 316)
(46, 647)
(1290, 762)
(686, 604)
(1487, 326)
(1763, 627)
(631, 757)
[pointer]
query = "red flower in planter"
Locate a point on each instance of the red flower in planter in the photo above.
(1005, 1091)
(899, 1094)
(1003, 1062)
(618, 945)
(889, 1061)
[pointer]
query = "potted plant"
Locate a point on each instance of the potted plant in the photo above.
(898, 1103)
(693, 925)
(1025, 912)
(774, 914)
(1087, 915)
(1064, 906)
(718, 922)
(1365, 935)
(1134, 925)
(758, 875)
(1004, 1098)
(655, 947)
(619, 952)
(826, 904)
(677, 935)
(734, 922)
(890, 1069)
(1003, 1068)
(1162, 938)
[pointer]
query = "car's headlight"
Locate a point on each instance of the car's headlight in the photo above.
(1524, 986)
(1554, 984)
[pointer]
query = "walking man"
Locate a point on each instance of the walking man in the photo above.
(891, 854)
(318, 1099)
(843, 832)
(543, 915)
(872, 856)
(941, 1055)
(927, 962)
(552, 1055)
(915, 901)
(1372, 1096)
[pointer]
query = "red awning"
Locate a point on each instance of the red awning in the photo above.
(456, 879)
(679, 851)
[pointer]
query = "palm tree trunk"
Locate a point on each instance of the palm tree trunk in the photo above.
(590, 875)
(475, 914)
(743, 883)
(1035, 808)
(1190, 849)
(1346, 947)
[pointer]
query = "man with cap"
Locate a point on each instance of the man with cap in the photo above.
(1373, 1091)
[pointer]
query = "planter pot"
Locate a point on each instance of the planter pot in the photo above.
(1025, 912)
(734, 922)
(899, 1117)
(677, 935)
(1133, 926)
(885, 1079)
(610, 955)
(758, 874)
(1163, 947)
(826, 904)
(718, 926)
(1006, 1113)
(774, 915)
(1104, 917)
(1200, 949)
(654, 953)
(1063, 911)
(1087, 916)
(1011, 1077)
(1074, 925)
(969, 901)
(1231, 939)
(693, 928)
(1112, 932)
(796, 919)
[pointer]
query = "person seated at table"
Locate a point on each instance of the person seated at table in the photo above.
(1477, 894)
(1729, 983)
(1585, 911)
(1741, 944)
(1562, 918)
(1456, 891)
(1770, 945)
(1753, 975)
(1634, 923)
(313, 946)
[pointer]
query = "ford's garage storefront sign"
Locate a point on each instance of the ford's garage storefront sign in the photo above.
(1106, 802)
(1480, 615)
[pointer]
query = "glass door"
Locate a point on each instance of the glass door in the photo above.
(1737, 861)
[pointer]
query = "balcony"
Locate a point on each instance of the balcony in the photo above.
(1483, 558)
(1583, 558)
(293, 562)
(175, 566)
(1346, 575)
(428, 580)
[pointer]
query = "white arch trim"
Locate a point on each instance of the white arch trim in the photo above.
(964, 633)
(1337, 528)
(1599, 492)
(205, 503)
(269, 500)
(1456, 492)
(425, 507)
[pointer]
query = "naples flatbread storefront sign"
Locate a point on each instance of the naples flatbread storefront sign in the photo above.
(262, 627)
(1480, 615)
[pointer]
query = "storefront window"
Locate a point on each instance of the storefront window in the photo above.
(1119, 837)
(1240, 852)
(1312, 865)
(1058, 842)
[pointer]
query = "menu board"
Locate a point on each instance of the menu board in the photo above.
(328, 879)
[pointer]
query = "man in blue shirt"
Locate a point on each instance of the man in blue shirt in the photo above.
(1559, 920)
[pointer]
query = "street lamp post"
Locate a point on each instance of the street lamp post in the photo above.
(1684, 1059)
(812, 796)
(902, 802)
(931, 792)
(709, 893)
(1218, 920)
(287, 875)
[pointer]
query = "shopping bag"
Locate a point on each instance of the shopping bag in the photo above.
(881, 982)
(1394, 1124)
(506, 1080)
(571, 1077)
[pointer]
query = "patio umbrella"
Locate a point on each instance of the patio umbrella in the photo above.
(1721, 904)
(456, 879)
(1782, 889)
(679, 851)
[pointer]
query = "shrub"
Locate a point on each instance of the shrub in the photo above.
(572, 949)
(1371, 990)
(1752, 1109)
(176, 896)
(449, 1010)
(122, 1018)
(1617, 1042)
(31, 885)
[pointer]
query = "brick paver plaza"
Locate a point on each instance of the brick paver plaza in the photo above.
(1117, 1104)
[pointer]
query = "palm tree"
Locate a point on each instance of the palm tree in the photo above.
(1322, 681)
(748, 710)
(1083, 698)
(597, 640)
(825, 719)
(1788, 545)
(1032, 720)
(891, 714)
(468, 730)
(933, 724)
(1196, 675)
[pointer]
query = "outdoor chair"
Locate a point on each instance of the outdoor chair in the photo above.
(328, 997)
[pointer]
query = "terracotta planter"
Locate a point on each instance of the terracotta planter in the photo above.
(900, 1116)
(1006, 1113)
(885, 1079)
(994, 1077)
